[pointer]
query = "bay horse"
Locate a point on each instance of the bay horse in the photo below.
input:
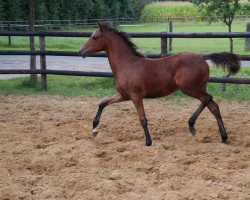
(137, 77)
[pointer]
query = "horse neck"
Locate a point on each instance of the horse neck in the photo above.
(119, 53)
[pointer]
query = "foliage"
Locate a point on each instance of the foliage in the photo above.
(2, 14)
(149, 45)
(161, 11)
(74, 9)
(245, 9)
(214, 10)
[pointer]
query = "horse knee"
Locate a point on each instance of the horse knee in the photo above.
(103, 105)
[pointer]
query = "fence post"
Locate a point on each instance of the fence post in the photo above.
(1, 24)
(171, 28)
(27, 25)
(164, 44)
(69, 25)
(85, 23)
(49, 25)
(247, 40)
(43, 63)
(9, 36)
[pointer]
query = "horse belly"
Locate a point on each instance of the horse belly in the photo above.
(158, 82)
(160, 90)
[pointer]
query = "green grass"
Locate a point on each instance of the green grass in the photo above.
(160, 11)
(100, 87)
(148, 45)
(192, 45)
(61, 85)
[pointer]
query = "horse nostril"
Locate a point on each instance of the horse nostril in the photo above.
(82, 53)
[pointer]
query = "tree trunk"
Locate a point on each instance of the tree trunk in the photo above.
(231, 39)
(223, 85)
(33, 77)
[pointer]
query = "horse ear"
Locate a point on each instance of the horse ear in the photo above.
(100, 26)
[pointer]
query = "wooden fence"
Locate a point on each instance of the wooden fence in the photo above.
(60, 24)
(23, 25)
(164, 36)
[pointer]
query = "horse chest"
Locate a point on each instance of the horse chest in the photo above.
(122, 89)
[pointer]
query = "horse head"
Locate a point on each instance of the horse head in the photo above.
(97, 41)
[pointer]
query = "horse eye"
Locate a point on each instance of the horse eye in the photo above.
(94, 38)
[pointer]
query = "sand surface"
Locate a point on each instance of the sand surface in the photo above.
(47, 151)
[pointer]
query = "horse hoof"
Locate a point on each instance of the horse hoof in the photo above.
(224, 141)
(149, 143)
(224, 138)
(192, 130)
(94, 132)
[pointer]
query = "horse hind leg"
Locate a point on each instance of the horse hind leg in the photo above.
(193, 118)
(214, 109)
(206, 101)
(205, 98)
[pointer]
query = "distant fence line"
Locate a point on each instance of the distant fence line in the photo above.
(134, 34)
(57, 24)
(83, 23)
(161, 35)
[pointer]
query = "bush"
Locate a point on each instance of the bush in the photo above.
(161, 11)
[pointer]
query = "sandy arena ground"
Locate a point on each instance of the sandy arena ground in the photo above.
(47, 151)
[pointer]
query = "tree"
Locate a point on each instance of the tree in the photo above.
(84, 9)
(114, 8)
(100, 10)
(2, 13)
(11, 10)
(219, 10)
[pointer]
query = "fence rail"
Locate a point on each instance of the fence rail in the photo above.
(134, 35)
(57, 24)
(161, 35)
(110, 74)
(97, 55)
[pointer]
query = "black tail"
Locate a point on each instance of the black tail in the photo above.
(225, 60)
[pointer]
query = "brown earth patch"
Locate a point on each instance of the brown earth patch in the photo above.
(47, 151)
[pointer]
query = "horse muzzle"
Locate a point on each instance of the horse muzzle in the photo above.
(83, 53)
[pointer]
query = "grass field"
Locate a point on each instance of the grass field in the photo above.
(100, 87)
(159, 11)
(149, 45)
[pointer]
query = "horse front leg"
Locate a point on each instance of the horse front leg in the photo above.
(110, 100)
(138, 102)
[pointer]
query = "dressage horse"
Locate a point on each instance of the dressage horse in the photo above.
(137, 77)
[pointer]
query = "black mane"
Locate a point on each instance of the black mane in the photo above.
(128, 41)
(125, 37)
